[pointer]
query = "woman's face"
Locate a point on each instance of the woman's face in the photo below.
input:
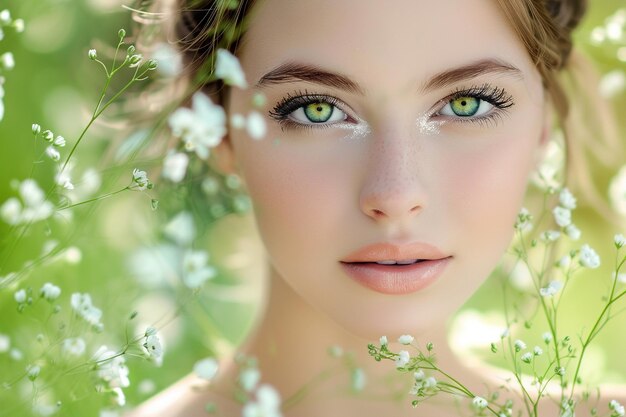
(426, 133)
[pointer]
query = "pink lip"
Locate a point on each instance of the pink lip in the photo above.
(396, 279)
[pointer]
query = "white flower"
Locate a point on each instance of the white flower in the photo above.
(248, 378)
(11, 211)
(206, 368)
(560, 371)
(621, 277)
(92, 54)
(35, 128)
(430, 382)
(74, 346)
(52, 153)
(547, 337)
(20, 296)
(565, 261)
(619, 240)
(617, 191)
(383, 341)
(201, 127)
(50, 291)
(519, 345)
(612, 83)
(523, 221)
(567, 199)
(152, 344)
(588, 257)
(229, 69)
(266, 405)
(537, 351)
(181, 229)
(255, 125)
(59, 141)
(552, 289)
(18, 24)
(169, 58)
(551, 235)
(573, 232)
(562, 216)
(119, 397)
(526, 357)
(358, 379)
(5, 16)
(617, 408)
(5, 343)
(403, 359)
(33, 371)
(30, 192)
(81, 303)
(195, 269)
(479, 402)
(419, 375)
(237, 121)
(405, 339)
(175, 166)
(111, 368)
(140, 178)
(7, 60)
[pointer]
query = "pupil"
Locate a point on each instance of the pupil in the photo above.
(463, 103)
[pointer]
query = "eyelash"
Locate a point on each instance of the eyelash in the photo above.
(495, 96)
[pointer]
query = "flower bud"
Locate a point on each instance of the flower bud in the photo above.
(135, 60)
(121, 34)
(92, 54)
(48, 135)
(59, 141)
(130, 50)
(18, 24)
(36, 129)
(152, 65)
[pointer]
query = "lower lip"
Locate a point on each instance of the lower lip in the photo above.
(396, 279)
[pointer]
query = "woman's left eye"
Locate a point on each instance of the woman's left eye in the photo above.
(467, 106)
(477, 104)
(318, 112)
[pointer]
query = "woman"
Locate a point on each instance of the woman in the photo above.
(398, 131)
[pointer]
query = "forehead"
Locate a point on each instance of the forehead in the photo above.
(391, 45)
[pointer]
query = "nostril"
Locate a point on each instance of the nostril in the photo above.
(378, 213)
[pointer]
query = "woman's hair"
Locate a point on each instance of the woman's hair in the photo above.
(545, 28)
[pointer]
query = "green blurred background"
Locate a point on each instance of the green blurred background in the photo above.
(55, 85)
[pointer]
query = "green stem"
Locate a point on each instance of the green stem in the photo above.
(101, 197)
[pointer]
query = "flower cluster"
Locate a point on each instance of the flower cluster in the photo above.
(7, 62)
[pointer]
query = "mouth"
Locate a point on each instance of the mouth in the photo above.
(396, 269)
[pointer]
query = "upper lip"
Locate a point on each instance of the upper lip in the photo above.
(389, 251)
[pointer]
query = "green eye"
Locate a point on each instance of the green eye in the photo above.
(318, 112)
(465, 106)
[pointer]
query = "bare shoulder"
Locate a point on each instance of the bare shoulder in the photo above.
(189, 397)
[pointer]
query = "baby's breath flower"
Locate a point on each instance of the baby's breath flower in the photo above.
(383, 341)
(573, 232)
(140, 178)
(255, 125)
(619, 240)
(479, 402)
(419, 375)
(7, 60)
(552, 289)
(135, 60)
(175, 166)
(358, 379)
(5, 16)
(53, 153)
(206, 368)
(519, 345)
(50, 291)
(5, 343)
(405, 339)
(228, 69)
(18, 24)
(562, 216)
(565, 261)
(92, 54)
(617, 408)
(560, 371)
(33, 371)
(48, 136)
(547, 337)
(567, 199)
(523, 221)
(527, 357)
(551, 235)
(20, 296)
(81, 303)
(588, 257)
(430, 382)
(237, 121)
(195, 269)
(111, 368)
(59, 141)
(118, 396)
(74, 346)
(152, 344)
(202, 127)
(11, 211)
(621, 277)
(152, 65)
(267, 403)
(537, 351)
(36, 129)
(248, 378)
(403, 359)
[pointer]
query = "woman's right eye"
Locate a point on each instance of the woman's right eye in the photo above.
(308, 111)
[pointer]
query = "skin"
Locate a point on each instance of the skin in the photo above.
(320, 194)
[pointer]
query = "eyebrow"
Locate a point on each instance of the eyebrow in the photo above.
(294, 71)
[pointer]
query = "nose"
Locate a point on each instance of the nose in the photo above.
(392, 189)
